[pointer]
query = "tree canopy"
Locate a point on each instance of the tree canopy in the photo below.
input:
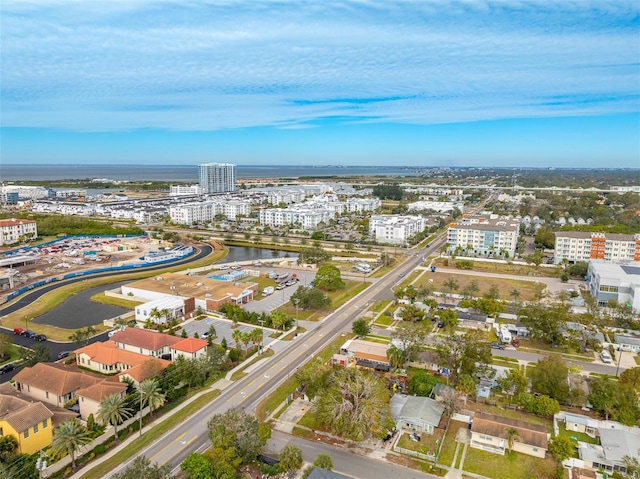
(328, 278)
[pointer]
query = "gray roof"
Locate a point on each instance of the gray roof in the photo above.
(618, 443)
(424, 409)
(622, 339)
(319, 473)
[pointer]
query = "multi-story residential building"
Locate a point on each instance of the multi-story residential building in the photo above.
(217, 177)
(304, 218)
(28, 422)
(438, 206)
(185, 190)
(359, 205)
(204, 212)
(28, 192)
(574, 246)
(15, 230)
(617, 281)
(395, 229)
(484, 234)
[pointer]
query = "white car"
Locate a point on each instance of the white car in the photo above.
(223, 268)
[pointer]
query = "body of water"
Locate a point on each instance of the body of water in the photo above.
(188, 173)
(247, 253)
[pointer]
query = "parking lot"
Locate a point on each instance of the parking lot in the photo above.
(223, 329)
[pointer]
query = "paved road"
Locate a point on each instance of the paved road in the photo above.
(191, 434)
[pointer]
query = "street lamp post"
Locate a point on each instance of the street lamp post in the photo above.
(262, 335)
(296, 301)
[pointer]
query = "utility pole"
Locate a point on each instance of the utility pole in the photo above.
(296, 301)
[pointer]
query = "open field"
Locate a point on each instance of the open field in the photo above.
(510, 466)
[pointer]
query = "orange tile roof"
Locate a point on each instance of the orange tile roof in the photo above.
(55, 379)
(143, 338)
(14, 222)
(190, 345)
(108, 353)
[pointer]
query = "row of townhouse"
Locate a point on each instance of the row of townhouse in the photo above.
(305, 217)
(574, 246)
(437, 206)
(204, 212)
(484, 234)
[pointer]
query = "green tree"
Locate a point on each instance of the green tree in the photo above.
(550, 377)
(360, 327)
(310, 298)
(450, 319)
(323, 461)
(513, 383)
(631, 377)
(151, 395)
(421, 383)
(82, 336)
(410, 338)
(354, 404)
(546, 323)
(450, 286)
(8, 444)
(470, 356)
(113, 410)
(512, 434)
(237, 430)
(470, 290)
(68, 437)
(290, 458)
(561, 447)
(141, 467)
(328, 278)
(545, 238)
(37, 354)
(5, 344)
(197, 466)
(411, 312)
(278, 319)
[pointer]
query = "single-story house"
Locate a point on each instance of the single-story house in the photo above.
(359, 349)
(483, 388)
(614, 445)
(627, 342)
(491, 433)
(580, 423)
(417, 413)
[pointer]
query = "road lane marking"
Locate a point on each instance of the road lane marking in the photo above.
(177, 451)
(177, 439)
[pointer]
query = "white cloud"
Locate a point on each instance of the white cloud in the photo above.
(176, 65)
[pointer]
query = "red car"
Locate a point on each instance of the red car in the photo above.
(18, 331)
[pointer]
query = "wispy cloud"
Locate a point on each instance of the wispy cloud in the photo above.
(217, 65)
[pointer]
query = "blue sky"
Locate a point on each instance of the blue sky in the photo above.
(473, 83)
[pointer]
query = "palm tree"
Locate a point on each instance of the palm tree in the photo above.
(512, 434)
(515, 295)
(256, 335)
(236, 335)
(451, 285)
(151, 394)
(68, 437)
(113, 410)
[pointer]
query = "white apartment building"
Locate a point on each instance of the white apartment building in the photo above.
(608, 280)
(204, 212)
(217, 177)
(185, 190)
(28, 192)
(14, 230)
(574, 246)
(305, 218)
(438, 206)
(484, 234)
(395, 229)
(359, 205)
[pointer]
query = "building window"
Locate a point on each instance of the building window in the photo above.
(26, 434)
(44, 424)
(46, 394)
(35, 428)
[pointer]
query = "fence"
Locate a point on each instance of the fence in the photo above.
(411, 453)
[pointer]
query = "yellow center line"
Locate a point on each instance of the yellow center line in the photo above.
(167, 446)
(177, 451)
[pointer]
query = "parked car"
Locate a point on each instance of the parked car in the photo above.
(222, 268)
(6, 368)
(441, 324)
(64, 354)
(30, 334)
(18, 331)
(414, 437)
(496, 345)
(40, 337)
(605, 356)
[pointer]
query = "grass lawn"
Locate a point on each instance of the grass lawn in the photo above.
(309, 420)
(527, 289)
(580, 436)
(511, 414)
(14, 353)
(383, 320)
(514, 269)
(428, 442)
(449, 447)
(510, 466)
(123, 303)
(530, 344)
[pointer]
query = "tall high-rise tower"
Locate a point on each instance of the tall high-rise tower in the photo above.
(217, 177)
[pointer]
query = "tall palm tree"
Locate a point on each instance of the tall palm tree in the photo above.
(113, 410)
(236, 335)
(151, 394)
(256, 336)
(68, 437)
